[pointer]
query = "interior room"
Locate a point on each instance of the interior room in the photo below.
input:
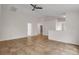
(39, 29)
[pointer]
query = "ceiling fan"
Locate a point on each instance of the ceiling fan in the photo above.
(35, 7)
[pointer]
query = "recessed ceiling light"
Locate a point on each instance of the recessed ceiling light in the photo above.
(64, 16)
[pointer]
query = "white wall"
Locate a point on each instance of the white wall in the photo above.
(71, 31)
(0, 20)
(48, 25)
(14, 23)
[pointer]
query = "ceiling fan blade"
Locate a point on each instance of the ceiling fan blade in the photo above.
(33, 5)
(33, 9)
(39, 8)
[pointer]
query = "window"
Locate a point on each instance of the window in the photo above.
(59, 25)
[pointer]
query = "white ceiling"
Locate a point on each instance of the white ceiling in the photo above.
(49, 9)
(58, 9)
